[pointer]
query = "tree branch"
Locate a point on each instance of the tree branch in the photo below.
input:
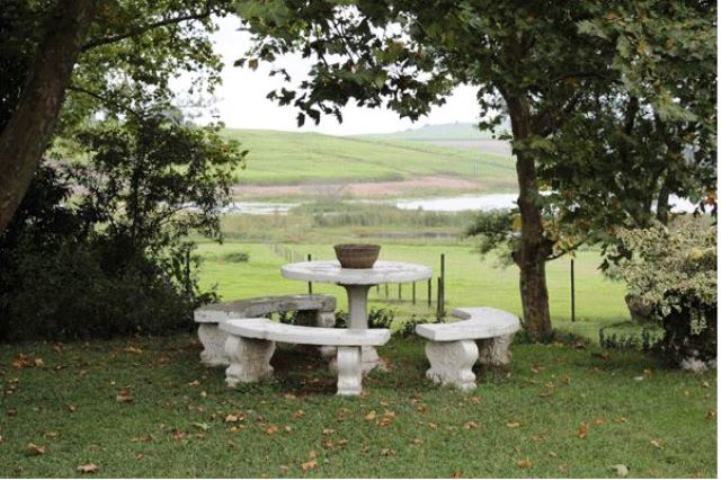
(114, 103)
(145, 28)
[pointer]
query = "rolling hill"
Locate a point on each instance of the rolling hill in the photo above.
(288, 158)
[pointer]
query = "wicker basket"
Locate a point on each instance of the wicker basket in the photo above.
(352, 255)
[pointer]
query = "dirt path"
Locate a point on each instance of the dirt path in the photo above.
(365, 190)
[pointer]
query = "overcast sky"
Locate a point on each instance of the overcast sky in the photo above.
(240, 102)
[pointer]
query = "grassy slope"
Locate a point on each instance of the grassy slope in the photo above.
(445, 131)
(288, 158)
(175, 425)
(470, 281)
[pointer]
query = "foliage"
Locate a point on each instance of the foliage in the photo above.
(99, 249)
(237, 257)
(674, 269)
(627, 336)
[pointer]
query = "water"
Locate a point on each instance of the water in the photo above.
(461, 203)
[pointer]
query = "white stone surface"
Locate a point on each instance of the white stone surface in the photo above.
(495, 351)
(260, 306)
(265, 329)
(251, 342)
(330, 271)
(213, 341)
(249, 360)
(350, 373)
(482, 322)
(452, 363)
(449, 344)
(357, 282)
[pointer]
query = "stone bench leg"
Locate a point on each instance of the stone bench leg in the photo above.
(350, 374)
(495, 351)
(213, 340)
(249, 360)
(451, 363)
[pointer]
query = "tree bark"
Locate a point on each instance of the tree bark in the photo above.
(534, 248)
(30, 129)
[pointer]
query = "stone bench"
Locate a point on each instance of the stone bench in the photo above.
(452, 349)
(318, 310)
(251, 343)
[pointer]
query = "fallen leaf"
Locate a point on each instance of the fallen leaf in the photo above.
(71, 408)
(417, 441)
(177, 434)
(525, 463)
(470, 424)
(457, 474)
(309, 465)
(582, 430)
(271, 430)
(705, 384)
(289, 396)
(88, 468)
(298, 414)
(513, 424)
(124, 396)
(132, 349)
(599, 421)
(370, 415)
(620, 469)
(711, 415)
(288, 428)
(38, 362)
(328, 431)
(234, 417)
(656, 443)
(432, 425)
(34, 450)
(202, 426)
(194, 383)
(387, 452)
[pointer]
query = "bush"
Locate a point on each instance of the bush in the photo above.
(630, 336)
(66, 294)
(112, 258)
(673, 269)
(236, 257)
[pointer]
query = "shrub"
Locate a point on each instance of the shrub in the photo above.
(236, 257)
(113, 259)
(673, 269)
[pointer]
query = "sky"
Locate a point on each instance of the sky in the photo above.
(240, 102)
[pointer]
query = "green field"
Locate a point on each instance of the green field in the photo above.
(291, 158)
(471, 281)
(528, 421)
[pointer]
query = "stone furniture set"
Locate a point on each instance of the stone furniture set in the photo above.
(235, 335)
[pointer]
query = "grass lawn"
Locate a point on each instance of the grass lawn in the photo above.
(559, 411)
(470, 281)
(290, 158)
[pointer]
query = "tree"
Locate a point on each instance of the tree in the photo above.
(96, 50)
(528, 60)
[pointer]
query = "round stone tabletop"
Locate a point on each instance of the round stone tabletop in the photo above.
(331, 272)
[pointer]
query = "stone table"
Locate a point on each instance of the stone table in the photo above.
(357, 282)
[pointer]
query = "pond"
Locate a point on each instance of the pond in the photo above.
(460, 203)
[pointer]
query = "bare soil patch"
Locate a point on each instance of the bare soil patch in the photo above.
(359, 189)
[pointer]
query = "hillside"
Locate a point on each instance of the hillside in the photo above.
(289, 158)
(445, 131)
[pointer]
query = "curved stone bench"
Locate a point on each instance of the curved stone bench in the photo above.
(484, 334)
(320, 311)
(251, 343)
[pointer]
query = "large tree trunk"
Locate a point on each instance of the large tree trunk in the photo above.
(30, 129)
(534, 248)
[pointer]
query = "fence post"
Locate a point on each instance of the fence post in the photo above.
(573, 292)
(400, 292)
(439, 302)
(386, 285)
(310, 284)
(430, 292)
(413, 293)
